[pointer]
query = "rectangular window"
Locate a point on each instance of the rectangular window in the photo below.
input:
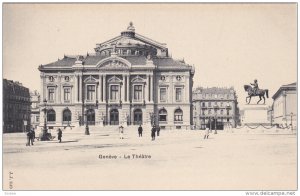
(37, 118)
(114, 92)
(67, 94)
(178, 94)
(51, 94)
(91, 92)
(163, 94)
(138, 92)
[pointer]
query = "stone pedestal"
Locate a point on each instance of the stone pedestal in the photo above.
(256, 115)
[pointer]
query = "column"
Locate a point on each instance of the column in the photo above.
(59, 88)
(80, 88)
(171, 99)
(100, 89)
(151, 88)
(146, 98)
(128, 90)
(42, 93)
(104, 88)
(123, 89)
(75, 91)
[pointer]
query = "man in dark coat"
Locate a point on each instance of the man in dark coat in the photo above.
(29, 135)
(153, 130)
(59, 135)
(140, 130)
(32, 135)
(158, 130)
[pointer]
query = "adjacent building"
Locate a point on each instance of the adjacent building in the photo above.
(285, 105)
(130, 79)
(16, 107)
(215, 107)
(35, 109)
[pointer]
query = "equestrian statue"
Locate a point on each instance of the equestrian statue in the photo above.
(255, 91)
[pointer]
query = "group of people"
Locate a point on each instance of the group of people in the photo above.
(154, 131)
(31, 136)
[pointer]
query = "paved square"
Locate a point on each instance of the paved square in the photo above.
(180, 160)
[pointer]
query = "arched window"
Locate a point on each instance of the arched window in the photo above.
(163, 115)
(178, 115)
(51, 115)
(67, 115)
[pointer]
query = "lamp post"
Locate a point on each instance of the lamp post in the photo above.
(210, 123)
(292, 121)
(45, 132)
(216, 116)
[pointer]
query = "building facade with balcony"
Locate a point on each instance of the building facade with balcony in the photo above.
(130, 79)
(285, 106)
(16, 107)
(35, 109)
(215, 107)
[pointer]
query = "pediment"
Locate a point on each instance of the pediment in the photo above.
(138, 79)
(114, 79)
(113, 63)
(90, 79)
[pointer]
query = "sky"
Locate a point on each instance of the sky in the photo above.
(229, 44)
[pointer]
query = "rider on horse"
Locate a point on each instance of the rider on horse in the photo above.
(255, 87)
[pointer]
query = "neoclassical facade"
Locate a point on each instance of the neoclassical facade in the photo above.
(130, 79)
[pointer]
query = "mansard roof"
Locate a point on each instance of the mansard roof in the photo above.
(66, 61)
(214, 90)
(160, 62)
(133, 47)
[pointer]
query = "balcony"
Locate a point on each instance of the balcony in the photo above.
(114, 102)
(138, 102)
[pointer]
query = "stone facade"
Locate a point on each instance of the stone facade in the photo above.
(285, 105)
(35, 109)
(130, 80)
(16, 107)
(215, 106)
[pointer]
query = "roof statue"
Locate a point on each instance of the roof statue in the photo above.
(131, 27)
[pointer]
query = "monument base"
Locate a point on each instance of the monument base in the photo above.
(256, 115)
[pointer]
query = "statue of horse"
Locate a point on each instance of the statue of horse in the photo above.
(260, 92)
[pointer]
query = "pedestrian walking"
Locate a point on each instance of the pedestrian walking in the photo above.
(153, 130)
(121, 130)
(158, 130)
(140, 130)
(28, 138)
(206, 133)
(59, 135)
(31, 137)
(33, 134)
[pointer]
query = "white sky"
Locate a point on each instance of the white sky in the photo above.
(229, 44)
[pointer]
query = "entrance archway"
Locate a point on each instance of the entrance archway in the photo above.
(137, 117)
(114, 117)
(91, 116)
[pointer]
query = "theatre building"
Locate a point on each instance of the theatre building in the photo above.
(130, 80)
